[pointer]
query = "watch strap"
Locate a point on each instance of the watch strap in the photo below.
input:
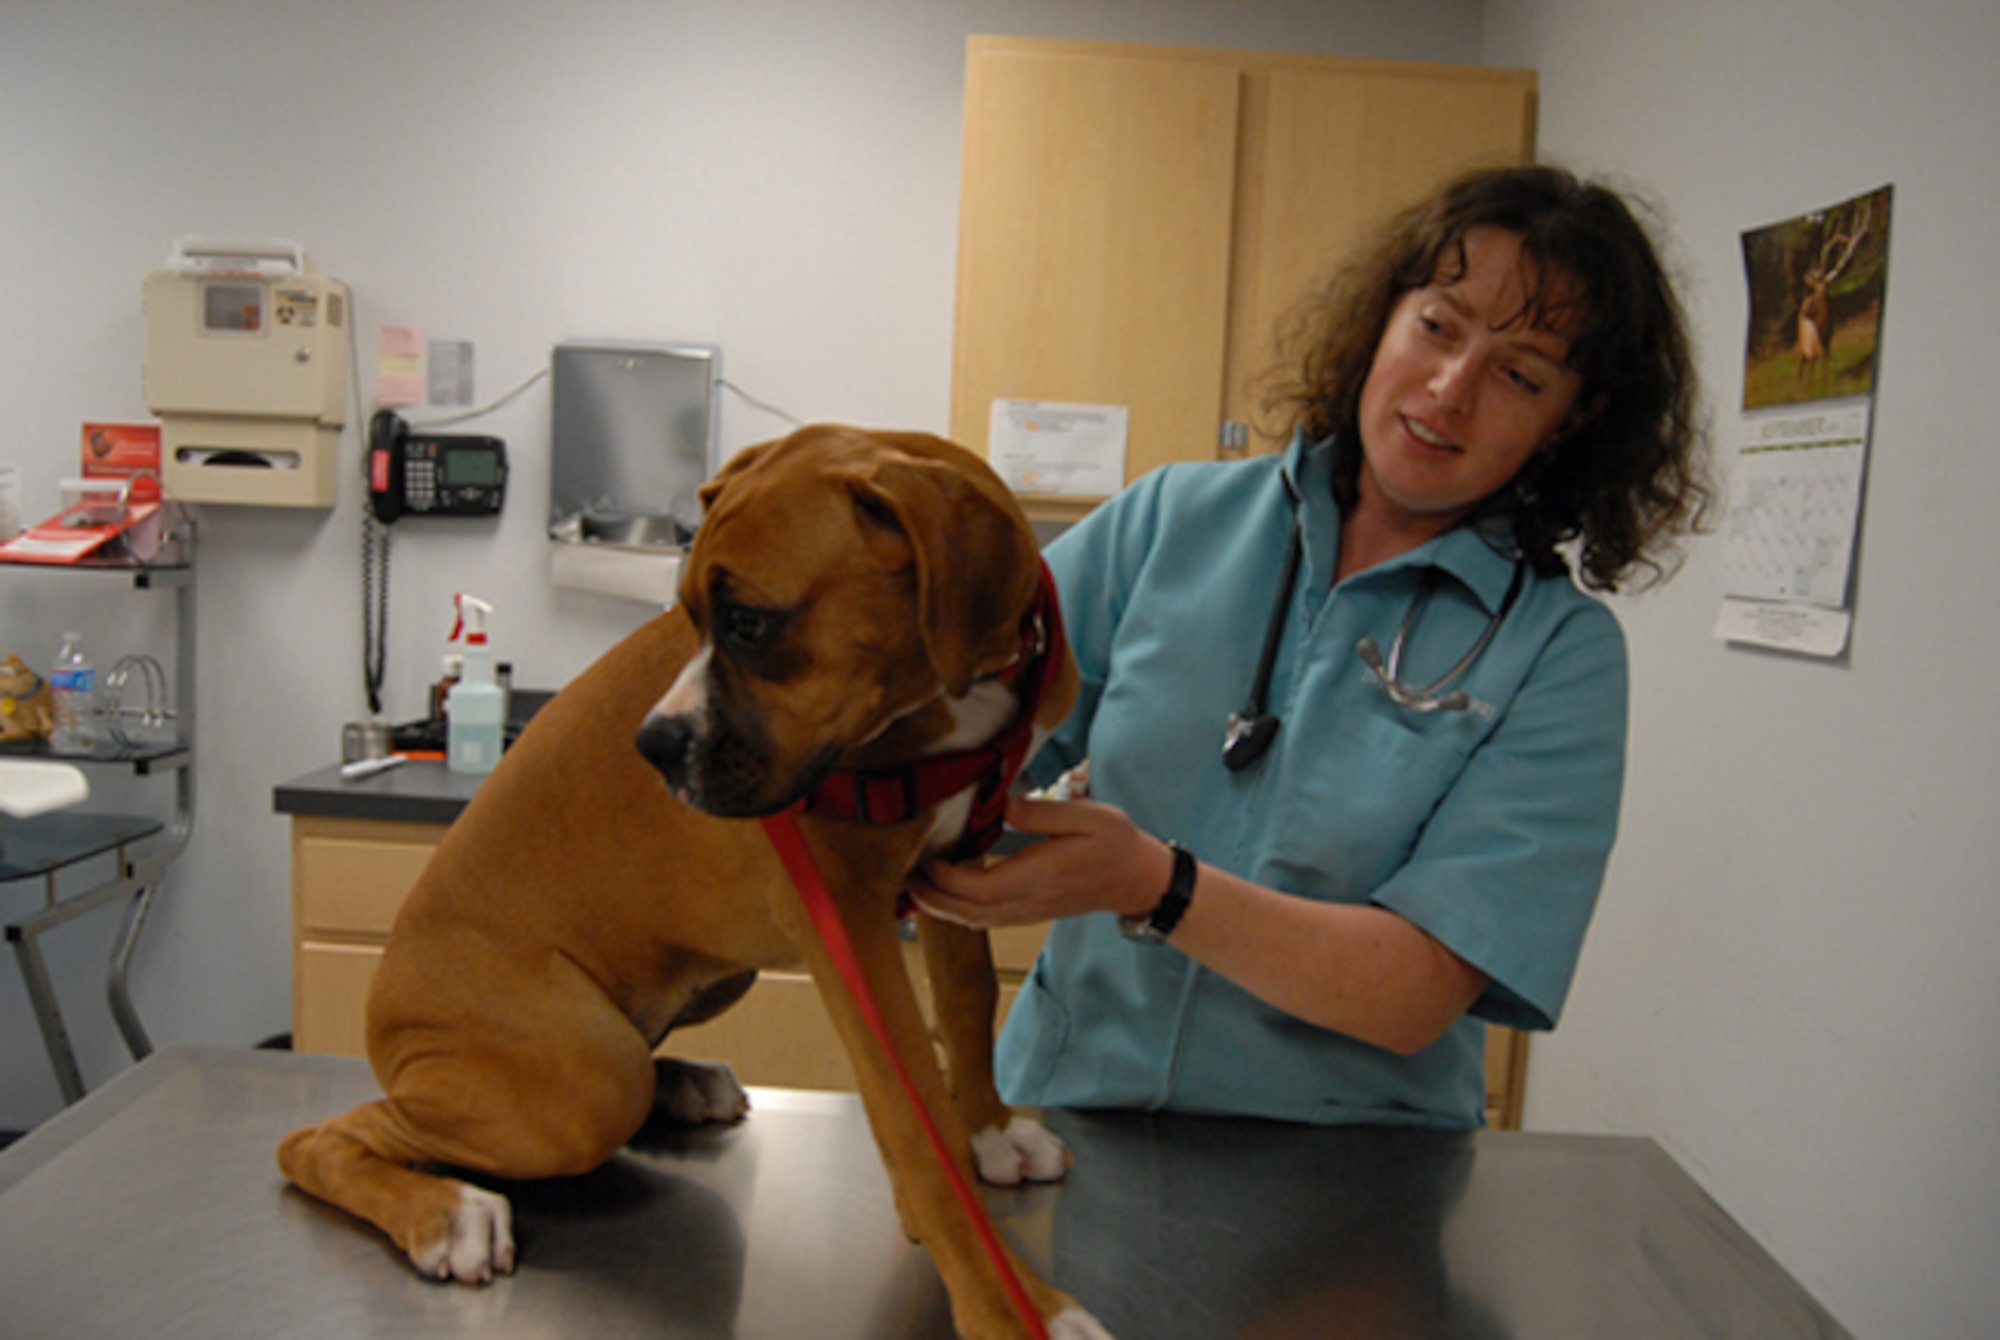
(1155, 926)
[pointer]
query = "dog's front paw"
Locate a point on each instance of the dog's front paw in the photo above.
(1022, 1150)
(696, 1092)
(478, 1245)
(1076, 1324)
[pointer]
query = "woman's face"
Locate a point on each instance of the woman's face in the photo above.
(1468, 383)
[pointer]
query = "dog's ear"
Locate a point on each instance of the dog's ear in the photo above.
(976, 561)
(734, 466)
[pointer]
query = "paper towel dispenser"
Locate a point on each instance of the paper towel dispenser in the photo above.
(635, 434)
(247, 361)
(634, 438)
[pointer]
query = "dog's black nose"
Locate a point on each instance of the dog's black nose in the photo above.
(668, 744)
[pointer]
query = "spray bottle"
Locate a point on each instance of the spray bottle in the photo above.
(476, 708)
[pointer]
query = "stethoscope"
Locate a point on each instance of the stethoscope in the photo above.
(1248, 734)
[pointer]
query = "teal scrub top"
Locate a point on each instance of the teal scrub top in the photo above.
(1488, 828)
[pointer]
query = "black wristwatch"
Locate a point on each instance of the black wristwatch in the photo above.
(1155, 926)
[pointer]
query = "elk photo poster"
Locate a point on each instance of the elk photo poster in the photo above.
(1816, 288)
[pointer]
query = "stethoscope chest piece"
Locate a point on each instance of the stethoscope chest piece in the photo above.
(1247, 739)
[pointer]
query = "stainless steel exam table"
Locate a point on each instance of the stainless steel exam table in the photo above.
(154, 1208)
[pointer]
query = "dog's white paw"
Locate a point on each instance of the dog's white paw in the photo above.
(694, 1092)
(1076, 1324)
(1023, 1150)
(481, 1243)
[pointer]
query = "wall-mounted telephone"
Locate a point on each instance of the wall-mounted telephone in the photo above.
(431, 474)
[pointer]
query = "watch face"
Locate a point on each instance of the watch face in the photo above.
(1141, 929)
(1155, 926)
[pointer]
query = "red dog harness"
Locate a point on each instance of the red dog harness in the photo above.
(897, 795)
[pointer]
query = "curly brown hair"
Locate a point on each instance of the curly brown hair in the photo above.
(1633, 477)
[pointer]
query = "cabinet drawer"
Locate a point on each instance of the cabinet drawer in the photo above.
(330, 997)
(351, 879)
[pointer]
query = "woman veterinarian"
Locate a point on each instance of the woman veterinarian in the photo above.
(1407, 828)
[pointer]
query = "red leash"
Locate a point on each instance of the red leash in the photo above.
(790, 844)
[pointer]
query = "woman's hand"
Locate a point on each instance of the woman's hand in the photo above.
(1357, 969)
(1094, 859)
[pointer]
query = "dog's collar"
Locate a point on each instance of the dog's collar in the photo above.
(897, 795)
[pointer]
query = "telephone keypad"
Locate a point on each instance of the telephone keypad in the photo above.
(420, 483)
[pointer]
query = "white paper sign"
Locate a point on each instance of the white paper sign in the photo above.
(1781, 625)
(1044, 446)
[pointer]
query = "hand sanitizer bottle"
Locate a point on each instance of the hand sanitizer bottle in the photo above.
(476, 708)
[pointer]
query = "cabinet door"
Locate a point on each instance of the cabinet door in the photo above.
(330, 996)
(1134, 220)
(1094, 241)
(1331, 152)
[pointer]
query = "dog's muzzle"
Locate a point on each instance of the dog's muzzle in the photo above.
(667, 742)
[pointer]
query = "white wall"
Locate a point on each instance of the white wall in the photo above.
(777, 176)
(1790, 981)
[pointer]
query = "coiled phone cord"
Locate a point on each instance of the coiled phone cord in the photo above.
(374, 606)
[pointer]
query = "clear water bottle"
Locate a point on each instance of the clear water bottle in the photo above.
(74, 685)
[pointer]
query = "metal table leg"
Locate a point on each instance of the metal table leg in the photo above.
(48, 1009)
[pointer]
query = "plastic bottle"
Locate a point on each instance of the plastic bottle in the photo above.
(74, 686)
(450, 672)
(476, 708)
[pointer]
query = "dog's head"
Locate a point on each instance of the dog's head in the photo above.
(841, 581)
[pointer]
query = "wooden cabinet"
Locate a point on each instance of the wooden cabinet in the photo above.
(349, 877)
(1133, 220)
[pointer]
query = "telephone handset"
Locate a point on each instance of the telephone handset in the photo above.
(386, 434)
(430, 474)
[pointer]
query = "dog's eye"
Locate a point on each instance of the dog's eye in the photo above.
(746, 629)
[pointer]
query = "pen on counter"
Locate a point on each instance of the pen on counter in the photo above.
(368, 767)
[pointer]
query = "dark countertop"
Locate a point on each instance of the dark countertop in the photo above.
(421, 791)
(155, 1207)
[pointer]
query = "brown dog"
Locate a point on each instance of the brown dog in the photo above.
(854, 604)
